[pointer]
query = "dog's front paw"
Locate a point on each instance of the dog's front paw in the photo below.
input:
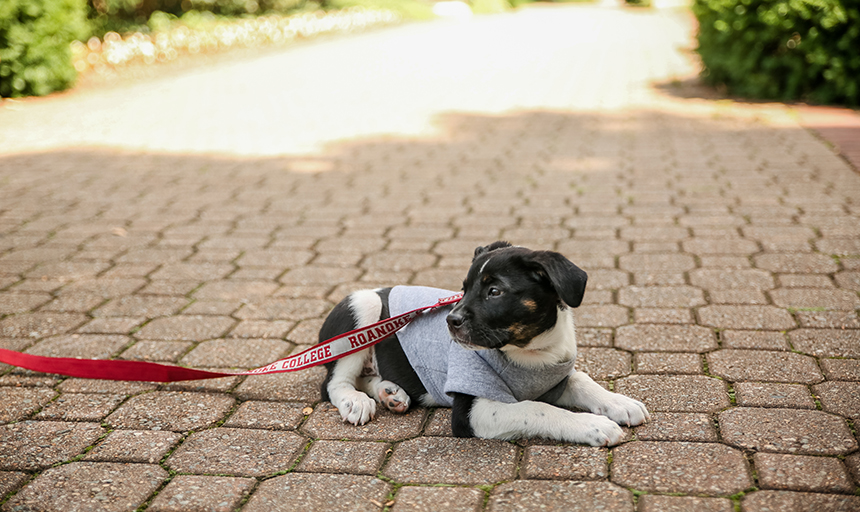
(392, 396)
(357, 408)
(595, 430)
(623, 410)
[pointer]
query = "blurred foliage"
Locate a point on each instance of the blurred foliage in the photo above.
(203, 32)
(517, 3)
(136, 15)
(782, 49)
(410, 9)
(35, 56)
(489, 6)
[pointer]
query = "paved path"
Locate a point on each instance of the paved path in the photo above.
(212, 218)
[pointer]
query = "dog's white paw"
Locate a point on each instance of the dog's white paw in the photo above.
(594, 430)
(623, 410)
(392, 396)
(356, 408)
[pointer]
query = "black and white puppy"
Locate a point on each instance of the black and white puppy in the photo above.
(502, 357)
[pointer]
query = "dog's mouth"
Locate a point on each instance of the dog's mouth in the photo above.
(480, 339)
(462, 338)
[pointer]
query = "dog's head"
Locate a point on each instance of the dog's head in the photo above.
(512, 294)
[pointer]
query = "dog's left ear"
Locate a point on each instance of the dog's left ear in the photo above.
(567, 279)
(501, 244)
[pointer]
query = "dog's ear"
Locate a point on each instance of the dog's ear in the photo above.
(492, 247)
(567, 279)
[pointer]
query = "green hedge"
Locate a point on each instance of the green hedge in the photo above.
(137, 12)
(782, 49)
(35, 56)
(127, 16)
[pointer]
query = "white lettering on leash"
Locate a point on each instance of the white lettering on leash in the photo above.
(311, 356)
(381, 331)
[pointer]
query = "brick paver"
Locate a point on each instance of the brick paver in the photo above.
(212, 218)
(707, 468)
(193, 492)
(83, 486)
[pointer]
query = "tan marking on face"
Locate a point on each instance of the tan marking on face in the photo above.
(530, 305)
(517, 329)
(521, 334)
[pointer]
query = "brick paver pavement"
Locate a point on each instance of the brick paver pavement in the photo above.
(212, 219)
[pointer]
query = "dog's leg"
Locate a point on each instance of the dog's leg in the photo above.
(365, 308)
(354, 406)
(583, 393)
(496, 420)
(387, 393)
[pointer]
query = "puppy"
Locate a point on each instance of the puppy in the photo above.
(502, 358)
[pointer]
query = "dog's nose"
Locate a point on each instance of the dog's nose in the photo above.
(455, 320)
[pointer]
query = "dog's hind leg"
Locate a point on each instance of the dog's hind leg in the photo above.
(387, 393)
(354, 406)
(359, 309)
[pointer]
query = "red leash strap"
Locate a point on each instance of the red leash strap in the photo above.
(325, 352)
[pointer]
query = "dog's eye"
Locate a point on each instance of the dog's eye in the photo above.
(493, 292)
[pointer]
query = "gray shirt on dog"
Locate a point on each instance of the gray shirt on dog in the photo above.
(445, 367)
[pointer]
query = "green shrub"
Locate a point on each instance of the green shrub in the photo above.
(35, 56)
(239, 7)
(134, 15)
(140, 10)
(782, 49)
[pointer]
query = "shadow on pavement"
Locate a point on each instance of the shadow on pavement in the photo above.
(524, 176)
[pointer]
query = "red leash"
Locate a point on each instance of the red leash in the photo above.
(325, 352)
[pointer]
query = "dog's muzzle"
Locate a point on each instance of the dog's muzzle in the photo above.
(455, 320)
(459, 332)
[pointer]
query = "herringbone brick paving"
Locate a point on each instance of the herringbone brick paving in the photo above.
(213, 218)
